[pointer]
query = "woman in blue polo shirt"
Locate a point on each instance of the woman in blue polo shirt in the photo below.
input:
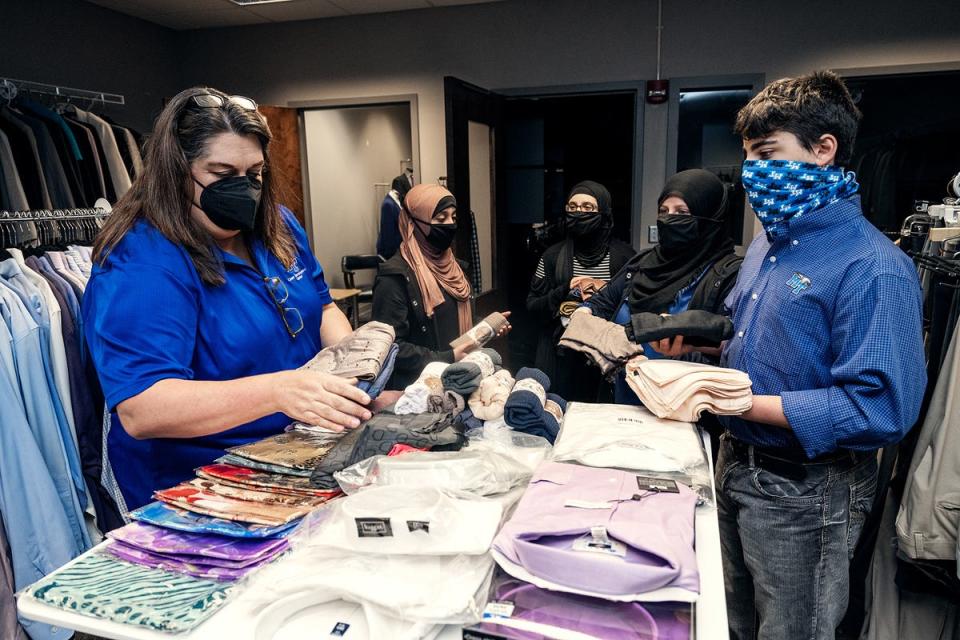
(204, 300)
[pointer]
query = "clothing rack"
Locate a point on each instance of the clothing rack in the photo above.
(54, 214)
(10, 87)
(50, 227)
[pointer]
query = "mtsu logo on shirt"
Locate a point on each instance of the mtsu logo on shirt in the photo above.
(296, 270)
(798, 283)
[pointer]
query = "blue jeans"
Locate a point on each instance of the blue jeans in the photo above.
(787, 544)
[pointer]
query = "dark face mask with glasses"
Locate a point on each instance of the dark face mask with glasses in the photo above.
(582, 224)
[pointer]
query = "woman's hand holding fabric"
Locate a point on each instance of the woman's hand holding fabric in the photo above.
(321, 399)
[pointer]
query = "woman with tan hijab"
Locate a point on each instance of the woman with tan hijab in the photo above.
(422, 291)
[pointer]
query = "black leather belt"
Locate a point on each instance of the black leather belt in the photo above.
(789, 463)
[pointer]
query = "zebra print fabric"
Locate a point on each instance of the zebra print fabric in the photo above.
(103, 587)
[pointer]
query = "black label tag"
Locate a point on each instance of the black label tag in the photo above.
(658, 485)
(374, 527)
(340, 629)
(418, 525)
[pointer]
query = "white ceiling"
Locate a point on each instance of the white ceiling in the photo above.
(203, 14)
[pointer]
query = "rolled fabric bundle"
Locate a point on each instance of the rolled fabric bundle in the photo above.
(415, 396)
(485, 331)
(465, 376)
(524, 410)
(446, 402)
(487, 402)
(470, 420)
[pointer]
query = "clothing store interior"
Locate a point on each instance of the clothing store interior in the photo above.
(479, 320)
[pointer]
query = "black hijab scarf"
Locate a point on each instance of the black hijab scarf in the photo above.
(592, 248)
(660, 274)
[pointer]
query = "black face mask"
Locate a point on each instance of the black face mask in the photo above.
(677, 232)
(441, 236)
(232, 203)
(583, 224)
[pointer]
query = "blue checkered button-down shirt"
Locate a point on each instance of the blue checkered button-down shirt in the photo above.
(829, 317)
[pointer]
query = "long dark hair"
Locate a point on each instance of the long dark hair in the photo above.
(164, 191)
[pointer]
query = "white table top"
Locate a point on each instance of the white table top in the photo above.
(236, 619)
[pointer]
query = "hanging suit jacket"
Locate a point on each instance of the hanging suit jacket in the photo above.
(930, 509)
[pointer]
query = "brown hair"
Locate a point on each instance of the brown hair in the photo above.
(808, 107)
(164, 191)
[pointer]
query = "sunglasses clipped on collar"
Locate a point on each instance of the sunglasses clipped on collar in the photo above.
(213, 101)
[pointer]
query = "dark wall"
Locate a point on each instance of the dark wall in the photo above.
(84, 46)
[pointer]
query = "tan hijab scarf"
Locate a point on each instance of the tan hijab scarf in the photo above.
(434, 270)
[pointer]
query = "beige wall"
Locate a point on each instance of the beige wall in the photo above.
(348, 151)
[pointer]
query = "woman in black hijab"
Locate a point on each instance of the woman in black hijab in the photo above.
(569, 273)
(693, 266)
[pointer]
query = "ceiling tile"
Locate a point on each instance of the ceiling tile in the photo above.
(450, 3)
(380, 6)
(296, 10)
(207, 19)
(161, 7)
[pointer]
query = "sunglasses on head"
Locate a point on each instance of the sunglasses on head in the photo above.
(213, 101)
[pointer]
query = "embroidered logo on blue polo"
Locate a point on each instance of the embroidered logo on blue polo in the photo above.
(798, 283)
(296, 270)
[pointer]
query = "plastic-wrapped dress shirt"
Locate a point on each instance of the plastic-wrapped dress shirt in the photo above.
(632, 438)
(604, 533)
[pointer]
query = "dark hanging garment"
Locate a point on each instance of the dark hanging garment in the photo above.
(101, 158)
(90, 172)
(24, 147)
(61, 197)
(66, 146)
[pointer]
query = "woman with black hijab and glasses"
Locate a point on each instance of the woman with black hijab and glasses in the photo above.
(569, 273)
(693, 267)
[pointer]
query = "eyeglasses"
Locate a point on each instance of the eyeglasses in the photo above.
(291, 317)
(213, 101)
(586, 207)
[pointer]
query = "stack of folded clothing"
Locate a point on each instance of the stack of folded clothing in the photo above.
(683, 390)
(414, 558)
(378, 435)
(530, 409)
(415, 397)
(367, 354)
(464, 377)
(631, 438)
(201, 555)
(605, 343)
(488, 400)
(603, 533)
(698, 328)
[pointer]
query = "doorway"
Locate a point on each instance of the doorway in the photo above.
(352, 154)
(539, 144)
(906, 148)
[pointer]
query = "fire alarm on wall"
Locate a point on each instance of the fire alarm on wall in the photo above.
(658, 91)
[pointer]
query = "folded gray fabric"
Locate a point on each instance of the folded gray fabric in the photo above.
(464, 377)
(360, 355)
(605, 343)
(376, 436)
(450, 402)
(698, 328)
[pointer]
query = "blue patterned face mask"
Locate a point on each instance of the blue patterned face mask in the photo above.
(779, 190)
